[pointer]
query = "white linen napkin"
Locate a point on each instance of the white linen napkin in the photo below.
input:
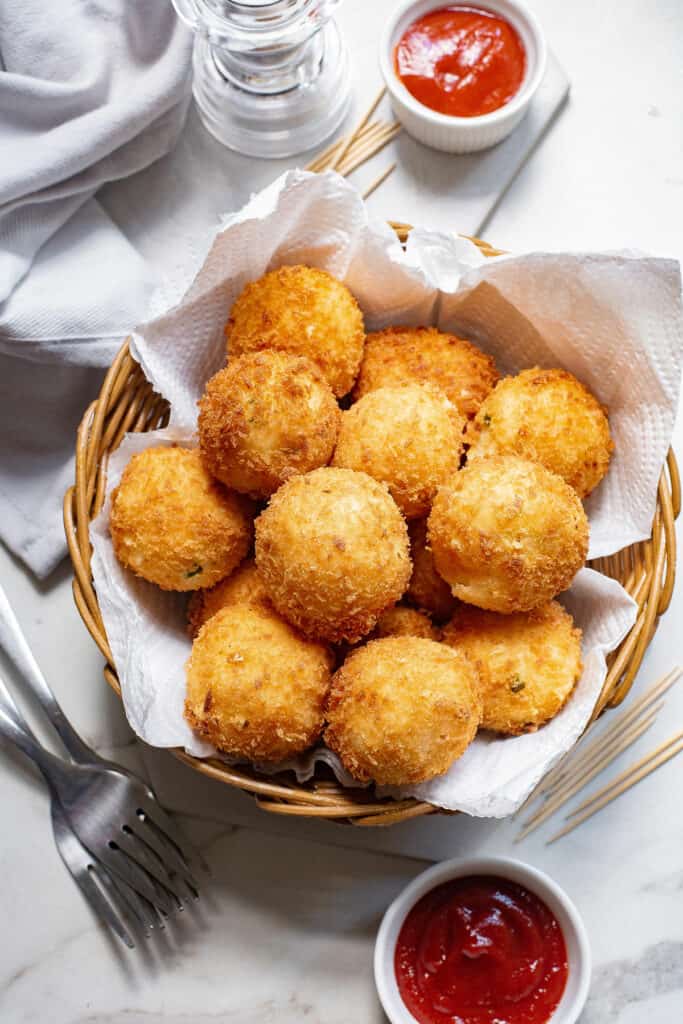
(89, 92)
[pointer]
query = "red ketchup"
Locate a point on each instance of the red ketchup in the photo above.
(481, 950)
(461, 61)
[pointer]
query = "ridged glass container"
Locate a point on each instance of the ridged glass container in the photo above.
(271, 77)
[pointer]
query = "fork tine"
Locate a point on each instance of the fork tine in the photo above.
(134, 875)
(80, 863)
(139, 909)
(148, 832)
(102, 906)
(172, 863)
(148, 860)
(156, 817)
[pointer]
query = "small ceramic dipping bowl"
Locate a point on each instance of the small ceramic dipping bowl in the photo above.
(575, 993)
(462, 134)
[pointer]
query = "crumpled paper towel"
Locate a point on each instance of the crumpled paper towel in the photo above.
(612, 319)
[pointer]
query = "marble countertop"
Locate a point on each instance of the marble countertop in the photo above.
(285, 930)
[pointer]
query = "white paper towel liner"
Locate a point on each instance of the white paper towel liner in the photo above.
(613, 319)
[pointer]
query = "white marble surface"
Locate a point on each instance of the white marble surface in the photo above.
(285, 930)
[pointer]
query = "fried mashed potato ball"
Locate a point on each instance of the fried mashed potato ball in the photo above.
(255, 687)
(173, 524)
(455, 365)
(547, 416)
(408, 436)
(507, 534)
(397, 621)
(332, 550)
(402, 621)
(402, 710)
(243, 586)
(427, 589)
(528, 663)
(264, 418)
(305, 311)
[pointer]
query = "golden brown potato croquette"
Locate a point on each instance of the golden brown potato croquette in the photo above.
(243, 586)
(528, 663)
(332, 550)
(399, 354)
(547, 416)
(402, 710)
(172, 524)
(305, 311)
(402, 621)
(408, 436)
(507, 534)
(265, 417)
(427, 589)
(255, 687)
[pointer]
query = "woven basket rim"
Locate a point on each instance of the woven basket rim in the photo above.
(126, 403)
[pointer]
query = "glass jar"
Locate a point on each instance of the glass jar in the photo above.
(271, 77)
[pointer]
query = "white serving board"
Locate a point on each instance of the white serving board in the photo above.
(461, 191)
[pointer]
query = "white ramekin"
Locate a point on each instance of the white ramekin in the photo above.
(578, 950)
(462, 134)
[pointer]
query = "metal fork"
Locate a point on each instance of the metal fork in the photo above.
(113, 813)
(113, 903)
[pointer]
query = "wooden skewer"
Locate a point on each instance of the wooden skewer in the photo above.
(368, 148)
(366, 143)
(583, 754)
(362, 123)
(603, 755)
(647, 769)
(369, 142)
(632, 734)
(617, 726)
(625, 774)
(580, 753)
(378, 180)
(324, 159)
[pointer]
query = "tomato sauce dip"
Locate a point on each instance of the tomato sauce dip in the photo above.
(481, 950)
(461, 61)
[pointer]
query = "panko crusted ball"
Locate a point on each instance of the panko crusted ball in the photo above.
(264, 418)
(507, 534)
(402, 621)
(547, 416)
(399, 354)
(402, 710)
(408, 436)
(173, 524)
(305, 311)
(528, 663)
(427, 589)
(332, 550)
(243, 586)
(255, 687)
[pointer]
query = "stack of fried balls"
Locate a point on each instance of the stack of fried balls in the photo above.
(374, 529)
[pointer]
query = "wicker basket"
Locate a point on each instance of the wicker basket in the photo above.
(127, 403)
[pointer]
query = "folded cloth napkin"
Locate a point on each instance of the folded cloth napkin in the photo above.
(90, 91)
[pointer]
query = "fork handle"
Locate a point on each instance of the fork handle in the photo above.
(13, 642)
(15, 728)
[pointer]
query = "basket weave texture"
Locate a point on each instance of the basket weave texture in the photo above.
(127, 403)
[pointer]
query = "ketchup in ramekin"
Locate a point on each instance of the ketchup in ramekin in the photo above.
(462, 61)
(481, 950)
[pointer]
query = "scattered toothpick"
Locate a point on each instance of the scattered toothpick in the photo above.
(378, 181)
(365, 141)
(631, 777)
(584, 753)
(361, 124)
(585, 762)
